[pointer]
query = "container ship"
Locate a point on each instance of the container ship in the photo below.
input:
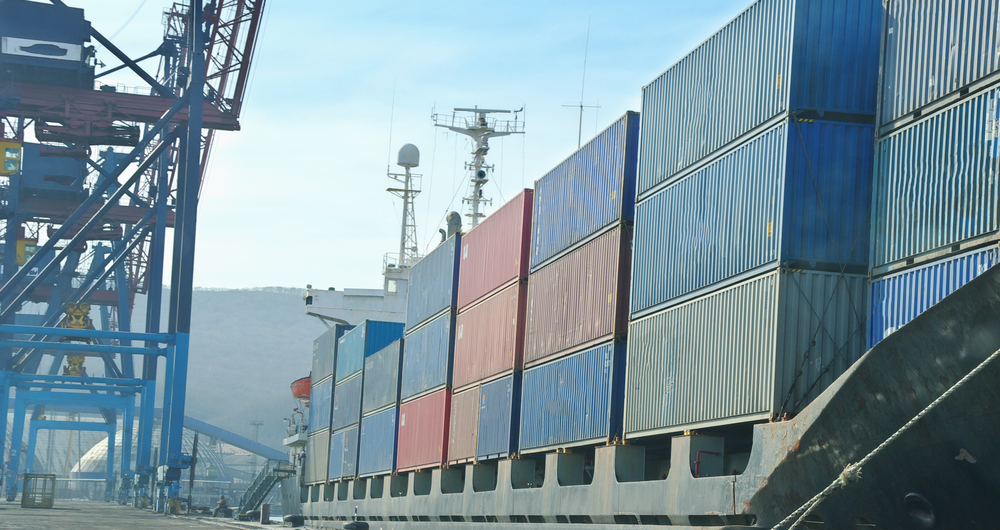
(767, 300)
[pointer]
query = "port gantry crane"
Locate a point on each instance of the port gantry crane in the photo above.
(47, 81)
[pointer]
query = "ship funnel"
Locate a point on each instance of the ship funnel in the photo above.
(454, 223)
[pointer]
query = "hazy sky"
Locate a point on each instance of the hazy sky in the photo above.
(298, 196)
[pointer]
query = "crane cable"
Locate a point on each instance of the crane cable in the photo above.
(852, 472)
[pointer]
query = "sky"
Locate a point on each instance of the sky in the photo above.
(298, 196)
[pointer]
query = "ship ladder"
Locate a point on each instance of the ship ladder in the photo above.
(274, 471)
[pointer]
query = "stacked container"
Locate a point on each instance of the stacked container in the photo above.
(936, 195)
(380, 411)
(577, 310)
(353, 350)
(751, 225)
(324, 363)
(425, 390)
(489, 337)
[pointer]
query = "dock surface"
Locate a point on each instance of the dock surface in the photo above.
(67, 515)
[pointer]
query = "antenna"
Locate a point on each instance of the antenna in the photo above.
(408, 158)
(480, 128)
(583, 83)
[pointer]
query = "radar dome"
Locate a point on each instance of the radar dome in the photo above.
(409, 156)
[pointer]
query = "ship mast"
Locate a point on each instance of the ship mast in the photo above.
(480, 128)
(408, 158)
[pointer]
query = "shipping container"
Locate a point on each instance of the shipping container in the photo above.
(427, 357)
(936, 184)
(347, 402)
(499, 418)
(344, 454)
(798, 194)
(464, 426)
(382, 371)
(377, 448)
(320, 406)
(495, 253)
(576, 400)
(367, 338)
(325, 352)
(899, 298)
(489, 337)
(580, 299)
(816, 58)
(317, 457)
(591, 191)
(423, 431)
(433, 285)
(934, 53)
(750, 352)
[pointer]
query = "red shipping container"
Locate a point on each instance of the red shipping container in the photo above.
(464, 426)
(579, 299)
(423, 431)
(495, 253)
(489, 337)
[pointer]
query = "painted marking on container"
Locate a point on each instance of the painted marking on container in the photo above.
(460, 328)
(402, 420)
(614, 193)
(465, 251)
(779, 82)
(770, 228)
(964, 455)
(609, 298)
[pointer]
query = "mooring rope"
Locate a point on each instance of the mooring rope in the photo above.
(852, 472)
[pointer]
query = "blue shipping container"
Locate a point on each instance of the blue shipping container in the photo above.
(382, 371)
(936, 182)
(797, 194)
(427, 357)
(499, 418)
(377, 449)
(588, 192)
(575, 400)
(433, 283)
(325, 352)
(343, 454)
(320, 406)
(347, 402)
(899, 298)
(367, 338)
(813, 57)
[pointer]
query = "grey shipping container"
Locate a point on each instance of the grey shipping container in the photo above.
(320, 405)
(816, 58)
(592, 190)
(433, 285)
(427, 357)
(367, 338)
(347, 402)
(746, 353)
(935, 52)
(377, 448)
(576, 400)
(499, 418)
(797, 194)
(344, 454)
(936, 188)
(382, 371)
(325, 352)
(317, 457)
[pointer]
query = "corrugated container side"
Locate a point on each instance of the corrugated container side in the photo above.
(759, 205)
(377, 448)
(576, 400)
(433, 285)
(464, 426)
(423, 431)
(347, 402)
(382, 371)
(935, 182)
(579, 299)
(427, 357)
(591, 190)
(320, 406)
(489, 337)
(732, 356)
(495, 253)
(325, 352)
(777, 56)
(335, 460)
(369, 337)
(317, 457)
(343, 454)
(499, 418)
(899, 298)
(934, 49)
